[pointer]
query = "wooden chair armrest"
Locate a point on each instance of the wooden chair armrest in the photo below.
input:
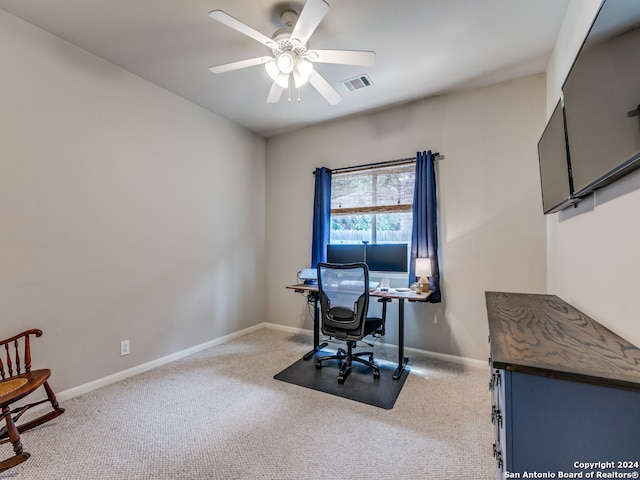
(34, 331)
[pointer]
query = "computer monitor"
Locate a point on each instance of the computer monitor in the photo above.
(345, 253)
(387, 257)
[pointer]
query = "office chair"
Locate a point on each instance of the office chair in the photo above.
(343, 291)
(17, 380)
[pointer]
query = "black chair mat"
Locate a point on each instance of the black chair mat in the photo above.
(359, 386)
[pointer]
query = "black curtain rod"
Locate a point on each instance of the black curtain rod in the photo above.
(399, 161)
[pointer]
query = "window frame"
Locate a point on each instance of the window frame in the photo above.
(398, 167)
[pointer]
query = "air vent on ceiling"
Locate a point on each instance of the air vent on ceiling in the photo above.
(358, 83)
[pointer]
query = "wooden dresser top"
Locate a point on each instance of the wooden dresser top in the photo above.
(544, 335)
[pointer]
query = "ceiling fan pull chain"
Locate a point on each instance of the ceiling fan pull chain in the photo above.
(298, 94)
(289, 89)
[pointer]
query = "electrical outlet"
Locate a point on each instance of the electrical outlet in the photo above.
(124, 348)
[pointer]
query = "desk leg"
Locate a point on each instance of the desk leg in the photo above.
(316, 329)
(402, 360)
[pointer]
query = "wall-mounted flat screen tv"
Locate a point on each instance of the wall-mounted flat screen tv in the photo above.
(555, 167)
(602, 98)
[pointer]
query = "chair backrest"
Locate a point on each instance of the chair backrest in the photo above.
(15, 354)
(343, 291)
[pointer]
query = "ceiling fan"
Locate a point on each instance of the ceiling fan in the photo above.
(292, 59)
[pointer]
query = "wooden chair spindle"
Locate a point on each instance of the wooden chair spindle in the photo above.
(16, 384)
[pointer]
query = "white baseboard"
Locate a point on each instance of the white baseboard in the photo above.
(470, 362)
(284, 328)
(116, 377)
(415, 351)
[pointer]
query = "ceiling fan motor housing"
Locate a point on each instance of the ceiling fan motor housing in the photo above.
(289, 53)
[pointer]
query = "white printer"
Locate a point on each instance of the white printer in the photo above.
(308, 276)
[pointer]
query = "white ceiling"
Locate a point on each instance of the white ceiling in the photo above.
(423, 48)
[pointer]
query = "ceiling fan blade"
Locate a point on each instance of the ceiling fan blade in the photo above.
(275, 93)
(344, 57)
(250, 62)
(309, 19)
(325, 89)
(236, 24)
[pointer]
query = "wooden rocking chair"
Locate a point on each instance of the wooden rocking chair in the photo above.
(16, 382)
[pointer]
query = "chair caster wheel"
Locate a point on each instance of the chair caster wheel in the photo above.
(376, 375)
(341, 380)
(318, 365)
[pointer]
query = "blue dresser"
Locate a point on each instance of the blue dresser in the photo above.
(565, 391)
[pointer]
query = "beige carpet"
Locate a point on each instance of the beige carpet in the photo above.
(220, 414)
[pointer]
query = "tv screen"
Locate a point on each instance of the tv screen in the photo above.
(555, 168)
(387, 257)
(345, 253)
(602, 98)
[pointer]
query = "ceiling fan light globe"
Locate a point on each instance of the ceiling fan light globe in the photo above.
(299, 80)
(286, 61)
(282, 80)
(302, 72)
(304, 68)
(272, 69)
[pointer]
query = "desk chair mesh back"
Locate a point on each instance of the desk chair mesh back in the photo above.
(343, 291)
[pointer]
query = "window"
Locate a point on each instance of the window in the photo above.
(372, 204)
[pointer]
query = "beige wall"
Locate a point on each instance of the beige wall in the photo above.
(129, 213)
(492, 227)
(592, 250)
(126, 212)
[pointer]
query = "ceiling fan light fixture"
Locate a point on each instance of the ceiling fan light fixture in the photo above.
(302, 72)
(286, 61)
(272, 69)
(298, 80)
(282, 80)
(305, 68)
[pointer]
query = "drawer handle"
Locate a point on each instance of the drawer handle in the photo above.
(495, 380)
(496, 416)
(497, 453)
